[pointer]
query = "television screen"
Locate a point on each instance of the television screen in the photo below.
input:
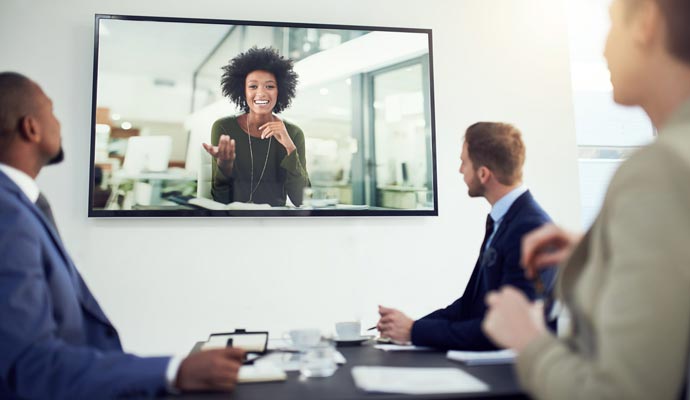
(199, 117)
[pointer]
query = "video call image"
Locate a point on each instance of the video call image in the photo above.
(356, 137)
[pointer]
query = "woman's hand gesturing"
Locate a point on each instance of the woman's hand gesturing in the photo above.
(278, 130)
(224, 153)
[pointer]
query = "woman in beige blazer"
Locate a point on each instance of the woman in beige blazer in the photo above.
(626, 283)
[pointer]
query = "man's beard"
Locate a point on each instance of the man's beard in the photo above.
(475, 188)
(57, 158)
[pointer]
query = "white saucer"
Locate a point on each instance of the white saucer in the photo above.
(352, 342)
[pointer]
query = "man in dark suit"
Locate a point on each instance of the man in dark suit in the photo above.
(55, 340)
(492, 158)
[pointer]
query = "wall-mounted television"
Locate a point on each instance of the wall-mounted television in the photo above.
(207, 117)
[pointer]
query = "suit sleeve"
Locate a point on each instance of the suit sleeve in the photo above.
(451, 311)
(642, 317)
(513, 273)
(35, 362)
(446, 329)
(451, 334)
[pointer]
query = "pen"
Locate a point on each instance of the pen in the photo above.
(250, 361)
(372, 328)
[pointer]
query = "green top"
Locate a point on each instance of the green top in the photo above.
(284, 174)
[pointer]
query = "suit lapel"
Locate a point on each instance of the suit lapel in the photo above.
(514, 209)
(84, 295)
(479, 269)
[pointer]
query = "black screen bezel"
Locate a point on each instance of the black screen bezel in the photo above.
(255, 213)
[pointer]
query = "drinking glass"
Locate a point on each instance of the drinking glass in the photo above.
(319, 360)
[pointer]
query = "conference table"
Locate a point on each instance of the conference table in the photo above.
(501, 379)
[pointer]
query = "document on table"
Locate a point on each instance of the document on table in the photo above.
(482, 357)
(401, 347)
(261, 373)
(416, 380)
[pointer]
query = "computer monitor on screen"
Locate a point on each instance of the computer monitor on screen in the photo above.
(147, 154)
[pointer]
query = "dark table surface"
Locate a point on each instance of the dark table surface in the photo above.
(500, 378)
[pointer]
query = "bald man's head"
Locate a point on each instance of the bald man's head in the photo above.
(17, 100)
(29, 132)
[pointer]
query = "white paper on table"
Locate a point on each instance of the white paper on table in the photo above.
(401, 347)
(483, 357)
(416, 380)
(260, 373)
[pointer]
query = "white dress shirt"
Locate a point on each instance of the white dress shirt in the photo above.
(501, 207)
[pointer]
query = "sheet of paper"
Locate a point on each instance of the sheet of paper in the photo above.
(400, 347)
(216, 344)
(482, 357)
(261, 373)
(416, 380)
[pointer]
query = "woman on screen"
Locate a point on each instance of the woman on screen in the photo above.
(260, 158)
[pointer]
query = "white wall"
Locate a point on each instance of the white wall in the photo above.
(167, 283)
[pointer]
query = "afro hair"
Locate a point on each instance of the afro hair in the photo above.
(265, 59)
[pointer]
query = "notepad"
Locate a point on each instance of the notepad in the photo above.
(416, 380)
(482, 357)
(261, 373)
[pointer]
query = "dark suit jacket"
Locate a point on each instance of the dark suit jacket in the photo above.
(458, 326)
(55, 341)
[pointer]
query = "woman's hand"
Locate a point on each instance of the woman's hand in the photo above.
(278, 130)
(224, 153)
(545, 247)
(511, 321)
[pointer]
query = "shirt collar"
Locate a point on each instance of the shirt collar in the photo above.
(501, 207)
(21, 179)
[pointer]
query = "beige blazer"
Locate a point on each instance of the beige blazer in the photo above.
(627, 287)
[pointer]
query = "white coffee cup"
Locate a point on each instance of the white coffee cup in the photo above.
(303, 339)
(349, 330)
